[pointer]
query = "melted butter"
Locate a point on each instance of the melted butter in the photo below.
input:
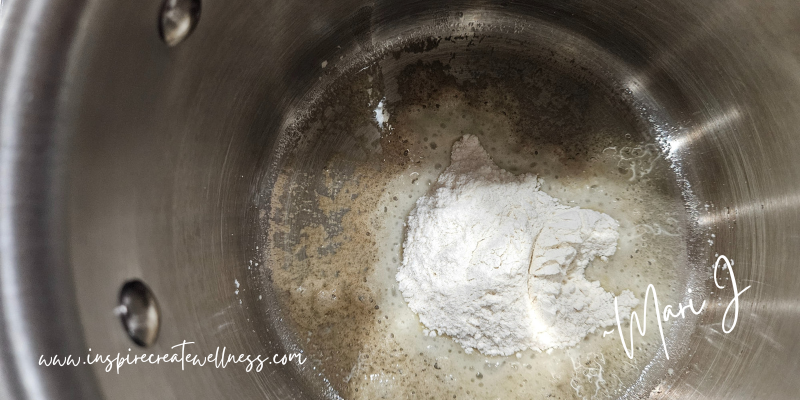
(337, 242)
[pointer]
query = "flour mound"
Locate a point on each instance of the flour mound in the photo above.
(498, 265)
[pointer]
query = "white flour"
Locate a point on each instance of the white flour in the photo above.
(498, 265)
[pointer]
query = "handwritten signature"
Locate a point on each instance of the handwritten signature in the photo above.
(667, 313)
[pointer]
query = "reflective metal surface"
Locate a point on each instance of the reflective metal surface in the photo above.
(139, 313)
(123, 158)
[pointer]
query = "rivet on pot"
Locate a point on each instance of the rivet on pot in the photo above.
(139, 313)
(177, 20)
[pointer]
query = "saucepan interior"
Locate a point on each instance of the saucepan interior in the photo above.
(242, 162)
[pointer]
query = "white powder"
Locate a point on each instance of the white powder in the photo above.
(498, 265)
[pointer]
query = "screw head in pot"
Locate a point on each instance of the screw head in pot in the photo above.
(139, 313)
(177, 20)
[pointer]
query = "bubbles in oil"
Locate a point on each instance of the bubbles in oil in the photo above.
(341, 200)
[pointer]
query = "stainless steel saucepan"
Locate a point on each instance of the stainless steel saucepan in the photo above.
(140, 142)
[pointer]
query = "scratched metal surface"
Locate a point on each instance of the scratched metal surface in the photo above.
(123, 158)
